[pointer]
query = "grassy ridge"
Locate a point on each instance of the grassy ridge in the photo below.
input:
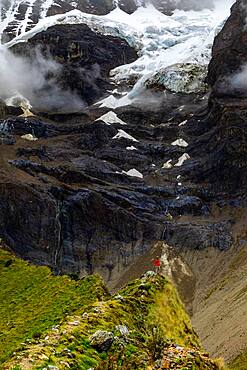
(32, 300)
(155, 319)
(49, 321)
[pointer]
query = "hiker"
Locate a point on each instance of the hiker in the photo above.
(157, 264)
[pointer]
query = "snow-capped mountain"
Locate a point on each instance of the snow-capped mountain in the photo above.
(173, 50)
(19, 16)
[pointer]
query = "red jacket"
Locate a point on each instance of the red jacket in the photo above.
(156, 263)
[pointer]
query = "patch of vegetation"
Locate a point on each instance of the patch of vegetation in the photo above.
(33, 300)
(140, 326)
(170, 315)
(239, 363)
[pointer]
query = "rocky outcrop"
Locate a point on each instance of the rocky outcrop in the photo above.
(6, 111)
(220, 132)
(229, 51)
(85, 57)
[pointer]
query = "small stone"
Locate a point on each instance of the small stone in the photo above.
(29, 137)
(119, 297)
(43, 357)
(149, 274)
(122, 329)
(76, 322)
(101, 340)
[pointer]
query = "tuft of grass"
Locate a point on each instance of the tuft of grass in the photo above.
(169, 314)
(33, 300)
(239, 363)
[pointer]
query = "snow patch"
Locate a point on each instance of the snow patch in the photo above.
(110, 118)
(183, 123)
(131, 148)
(182, 159)
(122, 134)
(29, 137)
(133, 173)
(168, 164)
(180, 142)
(113, 103)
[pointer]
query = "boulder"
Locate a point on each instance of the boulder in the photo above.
(102, 340)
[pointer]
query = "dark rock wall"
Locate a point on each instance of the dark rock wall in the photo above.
(222, 145)
(86, 57)
(229, 50)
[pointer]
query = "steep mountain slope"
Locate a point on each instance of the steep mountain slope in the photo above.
(19, 16)
(220, 146)
(109, 183)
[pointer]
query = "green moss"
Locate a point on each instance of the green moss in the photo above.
(33, 300)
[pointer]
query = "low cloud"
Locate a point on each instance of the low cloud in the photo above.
(238, 82)
(35, 80)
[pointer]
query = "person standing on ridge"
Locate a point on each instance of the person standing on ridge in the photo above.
(157, 264)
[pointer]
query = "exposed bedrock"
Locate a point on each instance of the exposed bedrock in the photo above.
(229, 50)
(221, 132)
(68, 199)
(85, 57)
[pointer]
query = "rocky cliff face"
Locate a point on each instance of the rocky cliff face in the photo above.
(85, 59)
(225, 124)
(229, 51)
